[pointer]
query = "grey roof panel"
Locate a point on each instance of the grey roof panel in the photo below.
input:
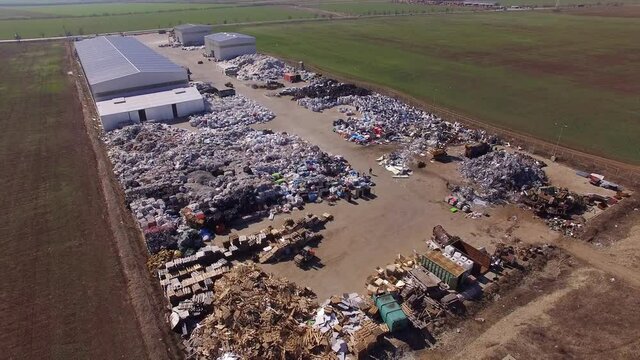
(193, 28)
(226, 37)
(106, 58)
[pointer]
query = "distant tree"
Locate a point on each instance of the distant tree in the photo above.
(17, 36)
(41, 34)
(225, 21)
(80, 31)
(290, 17)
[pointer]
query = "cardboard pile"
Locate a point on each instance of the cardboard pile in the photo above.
(342, 319)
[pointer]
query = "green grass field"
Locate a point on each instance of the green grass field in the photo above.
(378, 8)
(90, 25)
(106, 9)
(520, 71)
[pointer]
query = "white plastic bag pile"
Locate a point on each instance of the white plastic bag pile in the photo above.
(230, 111)
(258, 67)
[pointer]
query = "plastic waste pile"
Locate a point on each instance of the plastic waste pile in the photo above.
(193, 48)
(232, 110)
(259, 67)
(499, 175)
(221, 174)
(375, 118)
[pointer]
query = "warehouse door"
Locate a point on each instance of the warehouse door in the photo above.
(175, 110)
(142, 115)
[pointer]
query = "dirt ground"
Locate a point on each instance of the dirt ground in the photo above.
(367, 234)
(64, 294)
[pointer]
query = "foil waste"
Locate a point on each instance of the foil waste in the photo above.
(230, 111)
(219, 174)
(498, 176)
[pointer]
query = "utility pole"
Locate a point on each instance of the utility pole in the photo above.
(555, 148)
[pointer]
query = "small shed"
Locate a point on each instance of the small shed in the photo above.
(225, 46)
(192, 34)
(159, 106)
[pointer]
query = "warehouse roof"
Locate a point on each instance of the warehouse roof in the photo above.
(192, 28)
(225, 37)
(110, 57)
(139, 102)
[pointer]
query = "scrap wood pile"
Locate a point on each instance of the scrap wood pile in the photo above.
(221, 174)
(258, 316)
(231, 110)
(497, 176)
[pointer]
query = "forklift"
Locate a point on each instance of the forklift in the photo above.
(304, 257)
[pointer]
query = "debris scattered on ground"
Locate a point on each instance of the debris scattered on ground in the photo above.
(230, 111)
(499, 175)
(221, 174)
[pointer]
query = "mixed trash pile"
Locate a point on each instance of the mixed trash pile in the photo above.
(375, 118)
(230, 111)
(221, 174)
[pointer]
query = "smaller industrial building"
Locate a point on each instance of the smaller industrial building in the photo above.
(191, 34)
(159, 106)
(225, 46)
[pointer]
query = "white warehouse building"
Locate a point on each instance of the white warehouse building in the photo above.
(132, 83)
(225, 46)
(160, 106)
(191, 34)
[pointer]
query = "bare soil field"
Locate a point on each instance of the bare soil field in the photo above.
(626, 11)
(64, 294)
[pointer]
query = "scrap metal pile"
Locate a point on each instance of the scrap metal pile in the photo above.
(230, 111)
(258, 67)
(499, 175)
(258, 316)
(220, 174)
